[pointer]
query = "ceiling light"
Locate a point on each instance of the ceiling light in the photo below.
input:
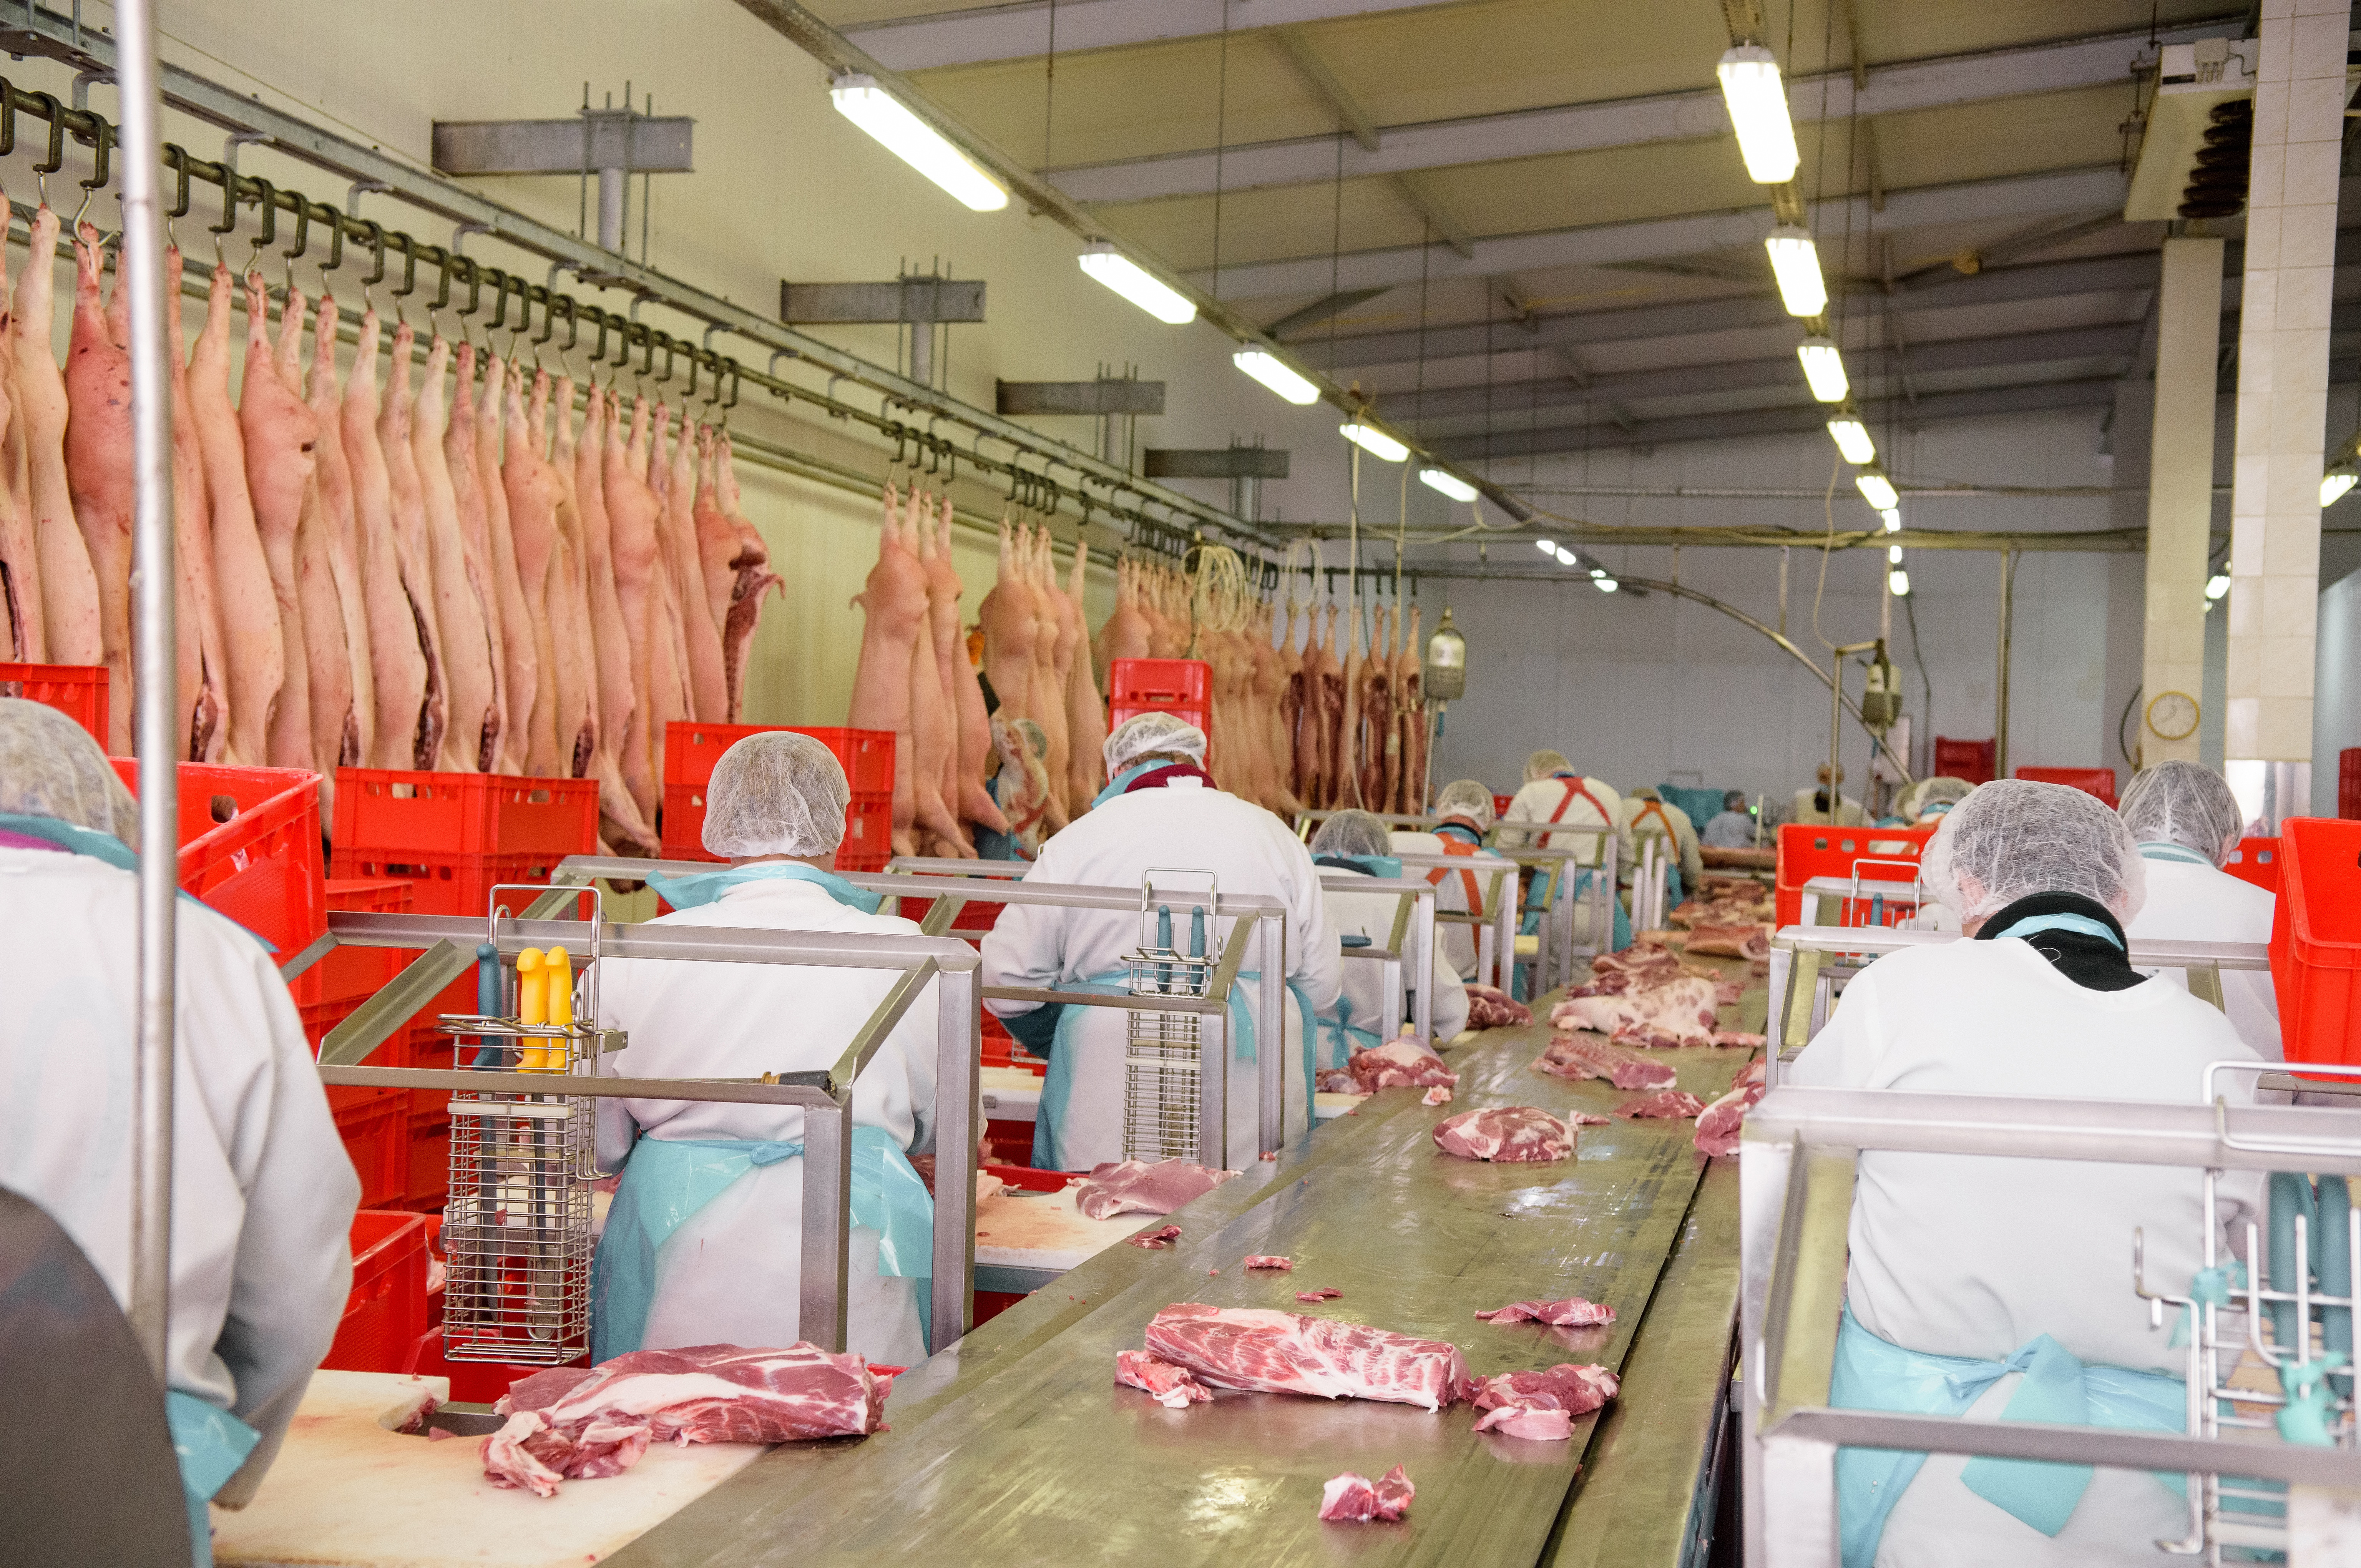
(1606, 584)
(1277, 374)
(2217, 584)
(1568, 558)
(1373, 441)
(1876, 489)
(1823, 368)
(1795, 263)
(1758, 112)
(1852, 439)
(1127, 278)
(1449, 483)
(1546, 546)
(1894, 554)
(1892, 516)
(2335, 482)
(1897, 583)
(1598, 571)
(915, 142)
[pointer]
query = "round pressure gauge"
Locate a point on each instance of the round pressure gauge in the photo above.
(2173, 715)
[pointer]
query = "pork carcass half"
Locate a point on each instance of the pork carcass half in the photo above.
(464, 611)
(1173, 1388)
(335, 616)
(935, 777)
(631, 510)
(1286, 1352)
(1505, 1134)
(71, 612)
(20, 552)
(1131, 1186)
(1721, 1125)
(520, 644)
(1542, 1405)
(98, 465)
(1355, 1499)
(1399, 1064)
(280, 435)
(748, 589)
(1585, 1056)
(242, 580)
(892, 606)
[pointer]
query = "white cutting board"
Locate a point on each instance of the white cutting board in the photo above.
(1047, 1230)
(348, 1490)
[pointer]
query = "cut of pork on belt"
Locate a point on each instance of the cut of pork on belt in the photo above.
(1286, 1353)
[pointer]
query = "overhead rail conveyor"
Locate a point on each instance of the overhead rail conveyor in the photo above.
(1094, 485)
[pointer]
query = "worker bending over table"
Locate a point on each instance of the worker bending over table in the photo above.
(2002, 1288)
(704, 1243)
(1555, 792)
(1158, 812)
(2187, 823)
(1645, 813)
(1465, 807)
(1356, 842)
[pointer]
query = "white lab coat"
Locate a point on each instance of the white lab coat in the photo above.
(1372, 915)
(1730, 830)
(729, 1275)
(1188, 825)
(1969, 1256)
(262, 1192)
(1455, 942)
(1808, 811)
(1540, 801)
(1637, 819)
(2189, 903)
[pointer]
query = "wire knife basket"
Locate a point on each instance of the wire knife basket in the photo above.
(1164, 1053)
(516, 1231)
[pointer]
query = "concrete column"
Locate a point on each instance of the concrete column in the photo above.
(2181, 484)
(2282, 403)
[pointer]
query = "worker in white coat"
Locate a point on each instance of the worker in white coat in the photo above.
(1981, 1285)
(1811, 806)
(1158, 812)
(704, 1243)
(1555, 792)
(1354, 844)
(1645, 813)
(2187, 822)
(1733, 828)
(1465, 809)
(262, 1191)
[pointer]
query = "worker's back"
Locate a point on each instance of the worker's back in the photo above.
(2189, 901)
(1372, 917)
(1568, 801)
(1456, 892)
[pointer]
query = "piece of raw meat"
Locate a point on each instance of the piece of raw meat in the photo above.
(1672, 1103)
(1488, 1008)
(1262, 1260)
(1325, 1293)
(1720, 1123)
(1636, 968)
(717, 1393)
(1504, 1134)
(1336, 1080)
(1158, 1240)
(98, 460)
(1438, 1095)
(1748, 941)
(1173, 1388)
(529, 1453)
(1542, 1405)
(1286, 1352)
(1737, 1038)
(1584, 1055)
(1398, 1064)
(1574, 1313)
(1680, 1011)
(1131, 1186)
(1355, 1499)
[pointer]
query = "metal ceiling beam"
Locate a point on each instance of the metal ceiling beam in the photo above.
(1022, 31)
(1629, 122)
(1319, 311)
(1428, 204)
(2085, 191)
(1326, 85)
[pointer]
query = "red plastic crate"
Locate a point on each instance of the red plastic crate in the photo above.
(2255, 860)
(377, 1140)
(78, 691)
(2348, 783)
(2316, 940)
(2099, 782)
(447, 883)
(867, 755)
(1157, 685)
(1807, 851)
(386, 1314)
(868, 827)
(250, 847)
(1969, 760)
(356, 974)
(1500, 803)
(471, 814)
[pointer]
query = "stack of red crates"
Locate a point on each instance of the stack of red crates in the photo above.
(1969, 760)
(1183, 687)
(867, 755)
(1806, 851)
(78, 691)
(250, 848)
(2348, 783)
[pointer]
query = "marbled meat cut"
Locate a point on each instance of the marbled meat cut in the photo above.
(1504, 1134)
(1574, 1313)
(1671, 1103)
(529, 1454)
(1173, 1385)
(1286, 1352)
(1260, 1260)
(1325, 1293)
(1582, 1055)
(1636, 968)
(1131, 1186)
(1680, 1011)
(1720, 1123)
(1398, 1064)
(1355, 1499)
(1488, 1008)
(1748, 941)
(1542, 1405)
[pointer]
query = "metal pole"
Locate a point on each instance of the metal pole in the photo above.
(957, 1113)
(827, 1224)
(1270, 1032)
(154, 652)
(1421, 961)
(2000, 723)
(1835, 732)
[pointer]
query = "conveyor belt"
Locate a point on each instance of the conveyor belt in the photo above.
(1017, 1446)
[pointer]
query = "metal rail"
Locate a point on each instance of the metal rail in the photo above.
(1495, 923)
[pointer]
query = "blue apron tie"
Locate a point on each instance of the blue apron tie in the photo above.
(1389, 867)
(210, 1444)
(2034, 924)
(1123, 781)
(76, 839)
(703, 887)
(667, 1181)
(2166, 851)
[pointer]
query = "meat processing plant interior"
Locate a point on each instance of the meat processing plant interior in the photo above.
(1490, 783)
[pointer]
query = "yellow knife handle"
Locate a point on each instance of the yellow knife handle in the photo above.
(557, 966)
(532, 1003)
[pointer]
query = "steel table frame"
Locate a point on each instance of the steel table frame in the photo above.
(1554, 961)
(1495, 924)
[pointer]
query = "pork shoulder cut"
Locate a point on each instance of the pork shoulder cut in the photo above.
(1286, 1352)
(1399, 1064)
(1748, 941)
(1506, 1135)
(1489, 1008)
(1542, 1405)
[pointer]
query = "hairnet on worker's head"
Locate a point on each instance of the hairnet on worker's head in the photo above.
(777, 793)
(51, 767)
(2185, 804)
(1647, 792)
(1148, 733)
(1541, 764)
(1351, 833)
(1734, 800)
(1471, 798)
(2012, 837)
(1928, 794)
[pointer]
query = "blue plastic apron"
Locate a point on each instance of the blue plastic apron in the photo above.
(210, 1444)
(704, 887)
(667, 1181)
(75, 839)
(1339, 1036)
(1874, 1374)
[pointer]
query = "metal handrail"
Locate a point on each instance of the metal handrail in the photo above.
(1414, 918)
(1496, 923)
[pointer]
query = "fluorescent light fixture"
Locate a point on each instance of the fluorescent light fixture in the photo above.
(1127, 278)
(1892, 516)
(1894, 554)
(1546, 546)
(1606, 584)
(2334, 483)
(1277, 374)
(1568, 558)
(1876, 489)
(1823, 368)
(1852, 439)
(915, 142)
(1598, 571)
(1795, 263)
(1448, 483)
(1373, 441)
(1897, 583)
(2217, 584)
(1758, 112)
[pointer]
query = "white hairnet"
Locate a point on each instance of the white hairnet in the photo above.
(2012, 837)
(1352, 833)
(775, 794)
(51, 767)
(1471, 798)
(1928, 794)
(1541, 764)
(2185, 804)
(1149, 732)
